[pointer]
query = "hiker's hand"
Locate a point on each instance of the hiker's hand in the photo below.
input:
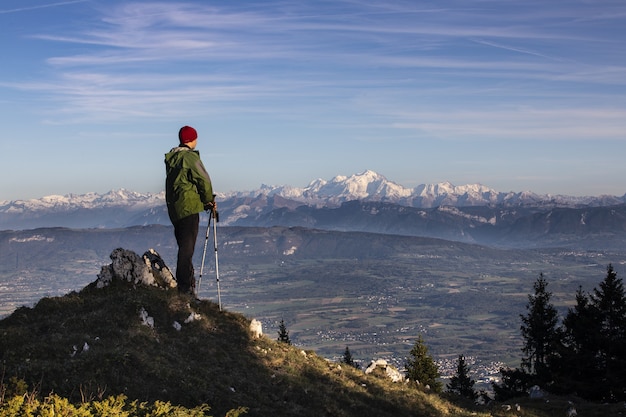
(210, 206)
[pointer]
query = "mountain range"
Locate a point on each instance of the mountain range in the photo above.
(362, 202)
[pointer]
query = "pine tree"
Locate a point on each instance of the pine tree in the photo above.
(540, 332)
(347, 358)
(515, 383)
(421, 367)
(593, 357)
(609, 302)
(461, 383)
(577, 363)
(580, 325)
(541, 345)
(283, 333)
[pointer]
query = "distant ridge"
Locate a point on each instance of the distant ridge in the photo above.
(261, 207)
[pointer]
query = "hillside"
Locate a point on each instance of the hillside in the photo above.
(151, 344)
(94, 342)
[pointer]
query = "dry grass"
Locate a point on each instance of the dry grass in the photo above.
(211, 360)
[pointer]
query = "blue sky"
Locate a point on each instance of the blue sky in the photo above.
(515, 95)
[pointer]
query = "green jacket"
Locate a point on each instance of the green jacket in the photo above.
(187, 184)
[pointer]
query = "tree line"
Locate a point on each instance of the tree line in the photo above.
(584, 353)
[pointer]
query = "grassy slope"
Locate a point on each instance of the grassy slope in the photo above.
(213, 360)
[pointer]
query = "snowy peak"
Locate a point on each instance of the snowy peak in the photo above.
(446, 193)
(123, 207)
(367, 185)
(372, 186)
(117, 198)
(446, 188)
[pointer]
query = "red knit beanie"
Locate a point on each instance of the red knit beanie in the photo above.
(187, 134)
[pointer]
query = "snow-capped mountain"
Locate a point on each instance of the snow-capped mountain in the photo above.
(124, 208)
(116, 198)
(371, 186)
(368, 185)
(112, 209)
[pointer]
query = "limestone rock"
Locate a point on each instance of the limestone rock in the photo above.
(161, 273)
(256, 328)
(127, 265)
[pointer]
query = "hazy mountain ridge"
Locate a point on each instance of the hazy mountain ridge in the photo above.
(362, 202)
(115, 198)
(368, 186)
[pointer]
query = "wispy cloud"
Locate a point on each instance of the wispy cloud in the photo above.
(359, 82)
(142, 55)
(41, 6)
(532, 125)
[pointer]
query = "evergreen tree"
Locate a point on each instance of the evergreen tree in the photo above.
(421, 367)
(541, 336)
(593, 357)
(540, 333)
(578, 367)
(580, 329)
(515, 383)
(283, 333)
(347, 358)
(609, 301)
(461, 383)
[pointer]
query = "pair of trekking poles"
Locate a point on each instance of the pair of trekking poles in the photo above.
(216, 218)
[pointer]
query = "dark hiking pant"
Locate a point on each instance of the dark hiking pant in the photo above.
(186, 232)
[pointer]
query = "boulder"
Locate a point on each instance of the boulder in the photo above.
(127, 265)
(161, 273)
(256, 328)
(390, 372)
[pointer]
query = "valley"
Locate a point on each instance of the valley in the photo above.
(374, 293)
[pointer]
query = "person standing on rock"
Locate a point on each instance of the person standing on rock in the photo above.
(188, 192)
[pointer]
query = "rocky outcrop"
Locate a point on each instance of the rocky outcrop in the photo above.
(126, 265)
(392, 373)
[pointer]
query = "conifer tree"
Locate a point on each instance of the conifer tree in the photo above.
(609, 301)
(540, 332)
(421, 367)
(283, 333)
(461, 383)
(580, 325)
(541, 345)
(593, 357)
(578, 361)
(348, 359)
(515, 383)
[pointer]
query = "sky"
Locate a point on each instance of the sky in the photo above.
(515, 95)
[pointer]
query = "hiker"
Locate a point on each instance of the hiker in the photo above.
(188, 191)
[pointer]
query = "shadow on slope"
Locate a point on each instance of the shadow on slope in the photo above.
(154, 344)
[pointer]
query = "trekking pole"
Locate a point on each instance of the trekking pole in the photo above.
(206, 241)
(216, 218)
